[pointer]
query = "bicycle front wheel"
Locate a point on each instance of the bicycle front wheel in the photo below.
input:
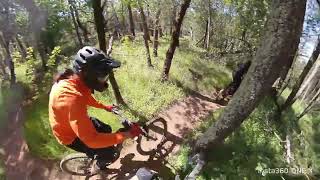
(156, 134)
(76, 164)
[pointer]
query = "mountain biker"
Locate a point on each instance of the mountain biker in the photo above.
(237, 77)
(69, 97)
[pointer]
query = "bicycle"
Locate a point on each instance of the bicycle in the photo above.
(80, 164)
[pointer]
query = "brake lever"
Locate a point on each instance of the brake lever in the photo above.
(128, 122)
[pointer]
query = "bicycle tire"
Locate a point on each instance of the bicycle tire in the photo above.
(70, 160)
(153, 130)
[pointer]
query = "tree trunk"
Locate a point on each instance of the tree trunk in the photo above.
(38, 22)
(312, 90)
(173, 17)
(22, 48)
(76, 27)
(208, 26)
(285, 77)
(277, 50)
(123, 19)
(156, 34)
(309, 84)
(5, 45)
(80, 25)
(160, 31)
(131, 22)
(118, 27)
(99, 22)
(144, 21)
(43, 56)
(174, 40)
(205, 35)
(310, 105)
(146, 36)
(292, 97)
(3, 71)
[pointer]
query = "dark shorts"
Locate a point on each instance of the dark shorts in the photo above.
(103, 155)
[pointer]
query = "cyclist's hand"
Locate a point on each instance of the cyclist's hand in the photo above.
(127, 135)
(135, 130)
(112, 108)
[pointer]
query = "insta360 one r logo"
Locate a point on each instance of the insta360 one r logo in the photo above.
(285, 170)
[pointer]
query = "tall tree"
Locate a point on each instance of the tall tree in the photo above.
(310, 104)
(146, 36)
(6, 36)
(99, 22)
(144, 21)
(3, 68)
(173, 16)
(131, 22)
(21, 47)
(76, 27)
(279, 44)
(208, 27)
(5, 42)
(118, 26)
(174, 39)
(83, 28)
(37, 24)
(293, 95)
(123, 19)
(156, 32)
(311, 83)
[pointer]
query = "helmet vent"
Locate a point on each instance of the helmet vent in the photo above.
(97, 50)
(90, 52)
(83, 57)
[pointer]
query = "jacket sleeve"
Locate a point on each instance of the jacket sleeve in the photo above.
(84, 129)
(94, 103)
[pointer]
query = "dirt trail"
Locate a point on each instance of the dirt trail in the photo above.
(181, 118)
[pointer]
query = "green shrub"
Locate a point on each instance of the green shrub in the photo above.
(37, 131)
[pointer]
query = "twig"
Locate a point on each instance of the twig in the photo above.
(278, 137)
(200, 40)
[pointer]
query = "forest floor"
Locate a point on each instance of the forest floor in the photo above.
(181, 118)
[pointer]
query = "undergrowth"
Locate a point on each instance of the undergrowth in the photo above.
(258, 145)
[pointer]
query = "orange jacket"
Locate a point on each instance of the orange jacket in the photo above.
(68, 116)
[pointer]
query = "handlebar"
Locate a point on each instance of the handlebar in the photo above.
(127, 123)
